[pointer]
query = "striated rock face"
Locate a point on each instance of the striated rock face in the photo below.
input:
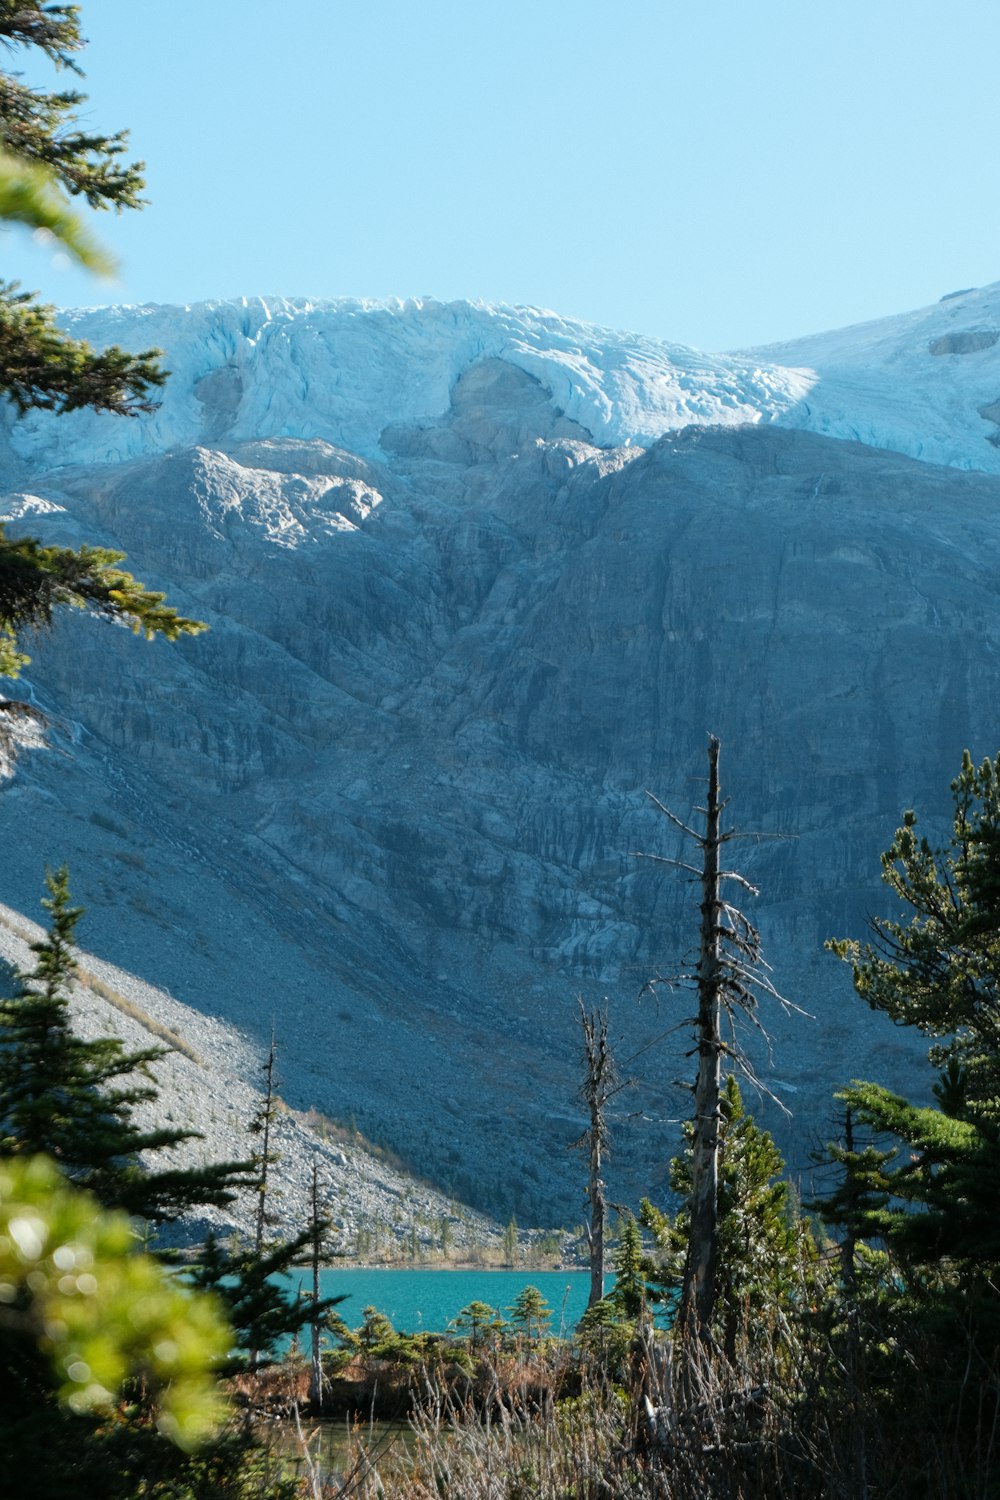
(394, 798)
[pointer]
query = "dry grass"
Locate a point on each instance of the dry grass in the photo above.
(163, 1033)
(691, 1428)
(120, 1002)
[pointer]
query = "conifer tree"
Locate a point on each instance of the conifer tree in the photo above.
(49, 157)
(251, 1280)
(479, 1323)
(529, 1313)
(938, 969)
(628, 1295)
(918, 1206)
(510, 1242)
(860, 1194)
(73, 1099)
(763, 1247)
(258, 1305)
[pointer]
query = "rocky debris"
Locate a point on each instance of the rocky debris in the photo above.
(965, 341)
(208, 1081)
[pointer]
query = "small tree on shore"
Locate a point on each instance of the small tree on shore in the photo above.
(628, 1295)
(529, 1313)
(480, 1324)
(510, 1243)
(601, 1083)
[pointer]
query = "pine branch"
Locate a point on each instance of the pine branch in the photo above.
(54, 29)
(43, 368)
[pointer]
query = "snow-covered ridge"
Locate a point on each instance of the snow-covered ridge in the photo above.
(345, 370)
(925, 383)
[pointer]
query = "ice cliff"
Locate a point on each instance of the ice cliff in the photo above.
(346, 370)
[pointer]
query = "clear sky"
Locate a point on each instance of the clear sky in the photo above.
(714, 172)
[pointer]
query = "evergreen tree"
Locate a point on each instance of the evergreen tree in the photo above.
(48, 157)
(939, 970)
(73, 1099)
(919, 1206)
(510, 1242)
(529, 1313)
(480, 1324)
(764, 1248)
(605, 1334)
(259, 1306)
(628, 1295)
(861, 1191)
(376, 1334)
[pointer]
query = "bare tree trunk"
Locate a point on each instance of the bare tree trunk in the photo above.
(601, 1084)
(316, 1373)
(698, 1294)
(598, 1219)
(729, 978)
(261, 1126)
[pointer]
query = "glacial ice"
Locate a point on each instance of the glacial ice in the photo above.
(345, 370)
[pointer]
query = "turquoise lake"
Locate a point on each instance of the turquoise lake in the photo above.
(418, 1301)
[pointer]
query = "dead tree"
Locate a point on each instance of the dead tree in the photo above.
(729, 975)
(264, 1158)
(699, 1272)
(601, 1084)
(317, 1226)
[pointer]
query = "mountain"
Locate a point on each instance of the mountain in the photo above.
(479, 578)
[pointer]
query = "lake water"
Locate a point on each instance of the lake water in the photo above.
(426, 1301)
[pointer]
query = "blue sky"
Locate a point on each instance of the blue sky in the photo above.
(717, 173)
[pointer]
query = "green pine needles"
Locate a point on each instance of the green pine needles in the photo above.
(48, 159)
(73, 1099)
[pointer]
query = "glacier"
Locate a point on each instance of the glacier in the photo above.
(345, 370)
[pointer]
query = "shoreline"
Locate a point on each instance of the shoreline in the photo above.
(458, 1265)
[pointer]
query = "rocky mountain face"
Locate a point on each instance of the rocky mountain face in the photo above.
(478, 581)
